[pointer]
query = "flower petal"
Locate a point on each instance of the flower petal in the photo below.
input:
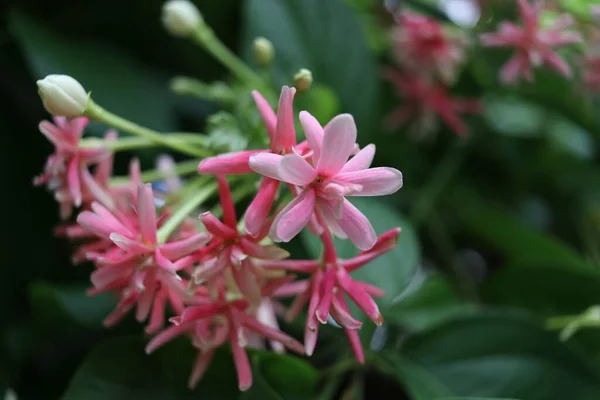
(362, 160)
(379, 181)
(266, 112)
(129, 245)
(147, 213)
(314, 134)
(266, 164)
(181, 248)
(228, 163)
(293, 217)
(200, 365)
(240, 359)
(73, 181)
(285, 134)
(216, 227)
(296, 170)
(357, 226)
(258, 211)
(338, 143)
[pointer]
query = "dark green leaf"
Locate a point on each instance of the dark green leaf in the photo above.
(394, 270)
(325, 37)
(117, 82)
(502, 355)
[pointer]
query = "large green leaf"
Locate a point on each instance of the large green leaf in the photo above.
(394, 270)
(325, 37)
(120, 369)
(117, 82)
(433, 302)
(502, 355)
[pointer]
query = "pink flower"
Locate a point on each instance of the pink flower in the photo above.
(326, 180)
(66, 171)
(135, 265)
(212, 323)
(422, 46)
(534, 45)
(282, 137)
(233, 252)
(324, 291)
(424, 100)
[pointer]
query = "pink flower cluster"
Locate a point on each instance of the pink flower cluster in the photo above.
(428, 57)
(224, 283)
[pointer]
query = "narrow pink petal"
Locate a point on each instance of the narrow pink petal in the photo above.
(135, 172)
(322, 311)
(285, 133)
(338, 143)
(518, 65)
(145, 300)
(294, 310)
(362, 160)
(163, 262)
(167, 335)
(267, 315)
(181, 248)
(94, 224)
(200, 366)
(311, 329)
(296, 170)
(374, 181)
(229, 217)
(97, 191)
(120, 312)
(258, 211)
(266, 164)
(157, 316)
(110, 219)
(269, 332)
(371, 289)
(77, 125)
(342, 315)
(228, 163)
(240, 359)
(328, 218)
(355, 344)
(216, 227)
(265, 252)
(360, 297)
(129, 245)
(146, 213)
(267, 114)
(291, 289)
(306, 266)
(294, 217)
(556, 62)
(357, 226)
(314, 134)
(73, 180)
(246, 282)
(197, 312)
(105, 275)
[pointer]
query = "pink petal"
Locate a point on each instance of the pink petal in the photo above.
(246, 282)
(145, 300)
(338, 143)
(53, 134)
(266, 164)
(342, 315)
(135, 173)
(181, 248)
(110, 219)
(322, 311)
(311, 329)
(518, 65)
(266, 252)
(294, 217)
(285, 134)
(163, 262)
(77, 125)
(103, 276)
(556, 62)
(129, 245)
(306, 266)
(167, 335)
(362, 160)
(355, 344)
(328, 218)
(157, 317)
(73, 180)
(228, 163)
(200, 366)
(216, 227)
(374, 181)
(314, 134)
(229, 217)
(147, 213)
(267, 114)
(94, 224)
(357, 226)
(258, 211)
(97, 191)
(296, 170)
(269, 332)
(242, 365)
(360, 297)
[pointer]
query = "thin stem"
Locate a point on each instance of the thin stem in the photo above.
(97, 113)
(561, 322)
(182, 168)
(329, 253)
(184, 209)
(206, 38)
(425, 200)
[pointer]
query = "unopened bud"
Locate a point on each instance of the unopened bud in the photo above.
(303, 80)
(62, 95)
(180, 17)
(263, 51)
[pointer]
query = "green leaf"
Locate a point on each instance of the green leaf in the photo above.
(432, 303)
(70, 303)
(571, 137)
(117, 82)
(511, 116)
(325, 37)
(518, 242)
(502, 354)
(394, 270)
(581, 8)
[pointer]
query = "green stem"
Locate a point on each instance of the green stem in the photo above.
(184, 209)
(425, 200)
(560, 322)
(97, 113)
(206, 38)
(182, 168)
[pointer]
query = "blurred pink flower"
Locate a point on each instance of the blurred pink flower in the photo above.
(534, 45)
(327, 180)
(422, 46)
(213, 322)
(424, 101)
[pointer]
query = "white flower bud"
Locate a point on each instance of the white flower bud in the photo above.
(303, 80)
(62, 95)
(180, 17)
(263, 51)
